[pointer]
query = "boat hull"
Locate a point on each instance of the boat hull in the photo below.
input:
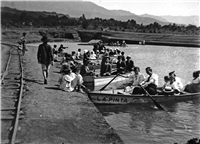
(108, 98)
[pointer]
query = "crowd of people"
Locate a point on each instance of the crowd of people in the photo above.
(76, 65)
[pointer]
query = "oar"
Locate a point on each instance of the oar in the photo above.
(155, 102)
(109, 82)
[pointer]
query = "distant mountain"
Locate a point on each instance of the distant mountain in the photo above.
(186, 20)
(122, 12)
(154, 17)
(91, 10)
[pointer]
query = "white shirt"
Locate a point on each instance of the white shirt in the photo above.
(153, 79)
(92, 56)
(137, 79)
(66, 82)
(176, 84)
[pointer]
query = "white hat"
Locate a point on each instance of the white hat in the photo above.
(168, 89)
(85, 50)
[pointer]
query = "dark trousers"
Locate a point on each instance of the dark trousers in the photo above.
(151, 89)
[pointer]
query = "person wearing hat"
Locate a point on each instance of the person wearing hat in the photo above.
(129, 64)
(23, 43)
(175, 82)
(106, 70)
(85, 56)
(65, 82)
(45, 57)
(120, 65)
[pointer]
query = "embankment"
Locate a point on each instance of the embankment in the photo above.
(135, 38)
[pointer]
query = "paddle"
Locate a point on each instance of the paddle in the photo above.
(155, 102)
(109, 82)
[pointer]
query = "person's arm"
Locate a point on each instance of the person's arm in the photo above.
(39, 54)
(51, 53)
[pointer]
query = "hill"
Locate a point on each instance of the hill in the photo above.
(77, 8)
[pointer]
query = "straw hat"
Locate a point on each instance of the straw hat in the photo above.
(168, 89)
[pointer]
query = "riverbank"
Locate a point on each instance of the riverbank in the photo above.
(53, 116)
(76, 35)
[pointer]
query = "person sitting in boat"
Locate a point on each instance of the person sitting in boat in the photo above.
(121, 66)
(174, 85)
(129, 64)
(194, 86)
(85, 69)
(85, 56)
(79, 55)
(122, 55)
(96, 47)
(150, 84)
(73, 55)
(176, 81)
(103, 61)
(93, 56)
(106, 70)
(69, 80)
(137, 78)
(101, 47)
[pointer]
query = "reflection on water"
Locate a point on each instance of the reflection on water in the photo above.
(142, 123)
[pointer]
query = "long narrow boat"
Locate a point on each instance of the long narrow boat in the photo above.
(115, 98)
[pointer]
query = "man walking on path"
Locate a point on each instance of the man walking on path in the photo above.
(45, 57)
(23, 41)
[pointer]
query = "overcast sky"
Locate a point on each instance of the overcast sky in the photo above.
(153, 7)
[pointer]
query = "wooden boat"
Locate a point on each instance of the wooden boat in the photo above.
(92, 82)
(113, 97)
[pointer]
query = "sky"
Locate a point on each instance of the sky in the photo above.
(153, 7)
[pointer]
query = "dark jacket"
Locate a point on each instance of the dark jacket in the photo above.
(129, 65)
(45, 54)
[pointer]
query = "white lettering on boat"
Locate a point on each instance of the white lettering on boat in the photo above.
(112, 99)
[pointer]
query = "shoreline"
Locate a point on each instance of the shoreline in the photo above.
(107, 37)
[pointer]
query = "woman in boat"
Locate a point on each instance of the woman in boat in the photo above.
(194, 86)
(106, 70)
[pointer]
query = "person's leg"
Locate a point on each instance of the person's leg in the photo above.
(44, 72)
(151, 89)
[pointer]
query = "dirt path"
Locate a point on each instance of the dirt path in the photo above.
(54, 116)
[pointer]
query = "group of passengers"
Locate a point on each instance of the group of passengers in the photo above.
(172, 86)
(72, 77)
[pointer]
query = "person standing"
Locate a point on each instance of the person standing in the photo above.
(23, 43)
(45, 57)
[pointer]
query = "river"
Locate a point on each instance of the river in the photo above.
(144, 124)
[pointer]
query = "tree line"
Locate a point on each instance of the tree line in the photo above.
(25, 19)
